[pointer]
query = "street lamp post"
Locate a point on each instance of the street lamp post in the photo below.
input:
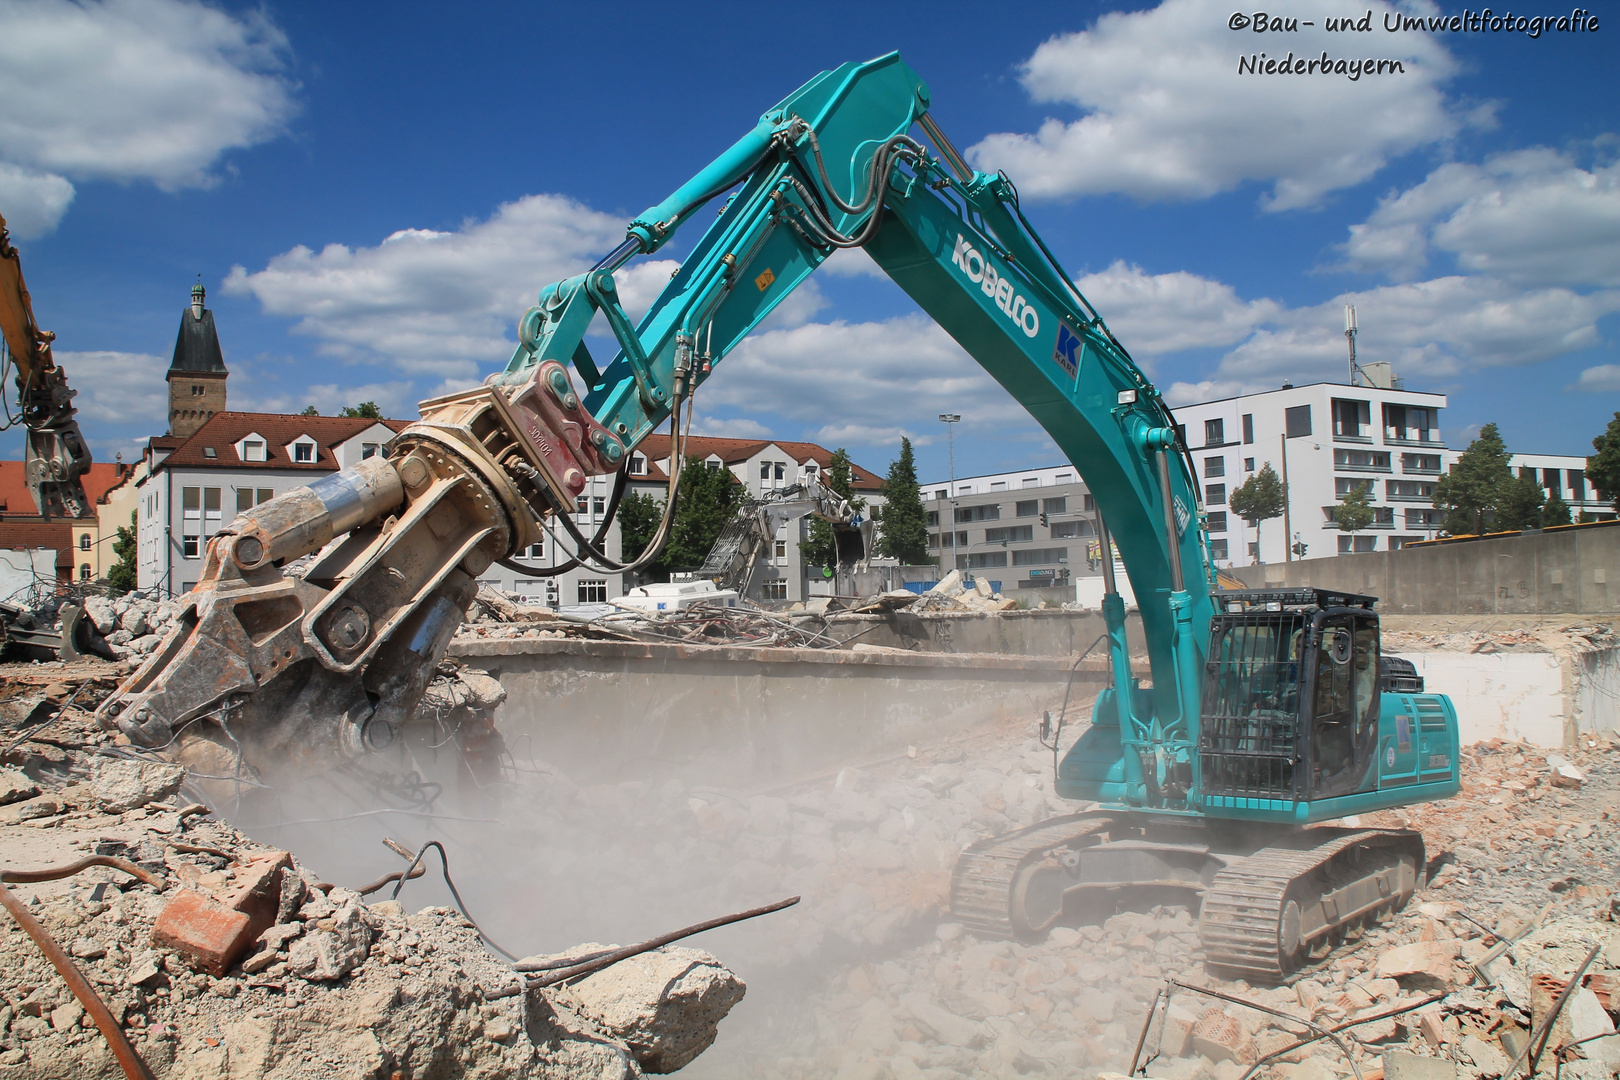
(949, 420)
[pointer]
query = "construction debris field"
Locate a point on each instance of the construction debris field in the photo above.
(842, 781)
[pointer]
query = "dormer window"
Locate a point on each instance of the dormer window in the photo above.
(210, 453)
(252, 447)
(302, 451)
(370, 449)
(638, 465)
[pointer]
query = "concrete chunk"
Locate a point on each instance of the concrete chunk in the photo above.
(666, 1004)
(122, 784)
(1420, 964)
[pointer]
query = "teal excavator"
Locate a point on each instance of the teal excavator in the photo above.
(1260, 718)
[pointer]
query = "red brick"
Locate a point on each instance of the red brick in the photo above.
(255, 890)
(210, 935)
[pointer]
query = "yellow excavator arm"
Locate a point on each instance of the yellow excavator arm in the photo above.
(57, 456)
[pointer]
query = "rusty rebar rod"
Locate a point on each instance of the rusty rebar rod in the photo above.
(1323, 1032)
(597, 961)
(1538, 1039)
(1336, 1028)
(129, 1060)
(388, 879)
(57, 873)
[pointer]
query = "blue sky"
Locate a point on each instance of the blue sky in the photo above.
(373, 195)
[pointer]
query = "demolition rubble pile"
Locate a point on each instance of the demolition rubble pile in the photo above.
(221, 957)
(497, 616)
(952, 595)
(1566, 641)
(1531, 850)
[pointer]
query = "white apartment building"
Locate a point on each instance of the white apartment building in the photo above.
(1327, 439)
(1028, 529)
(761, 466)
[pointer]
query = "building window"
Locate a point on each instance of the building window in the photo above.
(1069, 530)
(942, 493)
(84, 571)
(1344, 485)
(84, 541)
(593, 591)
(1430, 463)
(1248, 428)
(933, 519)
(998, 485)
(191, 504)
(598, 505)
(1248, 464)
(1089, 505)
(1351, 419)
(1217, 522)
(1217, 550)
(1010, 534)
(1214, 494)
(1214, 432)
(244, 499)
(774, 589)
(1214, 466)
(1059, 505)
(303, 452)
(1031, 482)
(1064, 478)
(1423, 519)
(188, 546)
(1297, 421)
(982, 560)
(369, 449)
(211, 511)
(1040, 556)
(1254, 550)
(1577, 484)
(638, 465)
(1026, 507)
(991, 512)
(1398, 542)
(1549, 479)
(1409, 489)
(537, 550)
(1410, 423)
(583, 504)
(1357, 545)
(254, 450)
(1377, 460)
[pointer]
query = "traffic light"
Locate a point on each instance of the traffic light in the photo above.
(1043, 519)
(1299, 548)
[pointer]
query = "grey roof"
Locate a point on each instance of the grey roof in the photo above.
(196, 348)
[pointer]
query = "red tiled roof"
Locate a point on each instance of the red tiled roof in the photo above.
(655, 448)
(224, 430)
(16, 500)
(27, 535)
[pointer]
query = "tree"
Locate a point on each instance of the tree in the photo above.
(1472, 492)
(821, 549)
(1523, 504)
(122, 575)
(1354, 511)
(1555, 511)
(366, 410)
(1603, 467)
(639, 516)
(310, 410)
(904, 522)
(705, 500)
(1259, 498)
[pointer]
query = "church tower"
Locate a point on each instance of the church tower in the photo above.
(197, 375)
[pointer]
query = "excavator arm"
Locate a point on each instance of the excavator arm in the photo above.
(336, 661)
(736, 552)
(57, 456)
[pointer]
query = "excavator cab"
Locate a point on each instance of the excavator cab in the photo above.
(1291, 704)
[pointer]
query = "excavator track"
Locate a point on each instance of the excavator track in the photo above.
(983, 882)
(1263, 913)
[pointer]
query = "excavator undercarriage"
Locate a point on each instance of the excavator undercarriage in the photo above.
(1268, 899)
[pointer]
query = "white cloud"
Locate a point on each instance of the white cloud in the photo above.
(1602, 379)
(1532, 216)
(32, 202)
(733, 428)
(1155, 314)
(118, 388)
(1166, 115)
(443, 303)
(862, 383)
(128, 90)
(1433, 329)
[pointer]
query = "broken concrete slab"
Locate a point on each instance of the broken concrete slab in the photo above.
(666, 1005)
(122, 784)
(1422, 964)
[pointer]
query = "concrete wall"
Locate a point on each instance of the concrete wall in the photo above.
(1050, 633)
(605, 712)
(1563, 571)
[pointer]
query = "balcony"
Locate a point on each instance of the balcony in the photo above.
(1413, 470)
(1392, 440)
(1363, 468)
(1365, 440)
(1429, 498)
